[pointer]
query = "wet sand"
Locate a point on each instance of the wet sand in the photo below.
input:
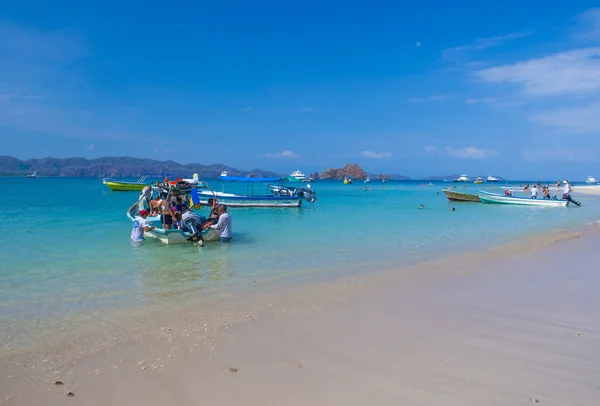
(515, 325)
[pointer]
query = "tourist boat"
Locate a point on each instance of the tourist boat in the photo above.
(462, 178)
(347, 180)
(223, 174)
(491, 179)
(119, 186)
(461, 197)
(276, 193)
(591, 180)
(172, 236)
(487, 197)
(32, 176)
(296, 176)
(478, 181)
(368, 180)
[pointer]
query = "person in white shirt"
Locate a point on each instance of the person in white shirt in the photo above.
(567, 189)
(534, 192)
(224, 224)
(567, 194)
(139, 226)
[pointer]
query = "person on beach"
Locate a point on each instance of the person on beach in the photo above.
(567, 194)
(163, 207)
(526, 189)
(144, 199)
(534, 192)
(139, 226)
(224, 224)
(546, 192)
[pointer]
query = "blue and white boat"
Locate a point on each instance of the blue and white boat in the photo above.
(258, 192)
(487, 197)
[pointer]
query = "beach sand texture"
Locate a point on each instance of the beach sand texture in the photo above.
(515, 326)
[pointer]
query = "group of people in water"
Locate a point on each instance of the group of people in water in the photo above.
(175, 213)
(535, 190)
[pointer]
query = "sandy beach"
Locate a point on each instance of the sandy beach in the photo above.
(514, 325)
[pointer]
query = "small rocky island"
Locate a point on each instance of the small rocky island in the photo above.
(353, 171)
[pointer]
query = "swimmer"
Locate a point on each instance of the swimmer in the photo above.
(421, 206)
(453, 209)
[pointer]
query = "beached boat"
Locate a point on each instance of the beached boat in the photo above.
(491, 179)
(32, 176)
(462, 178)
(461, 197)
(478, 181)
(591, 180)
(487, 197)
(276, 193)
(120, 186)
(347, 180)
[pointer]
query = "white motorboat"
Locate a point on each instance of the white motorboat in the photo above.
(296, 176)
(487, 197)
(492, 179)
(462, 178)
(224, 173)
(591, 180)
(33, 175)
(368, 180)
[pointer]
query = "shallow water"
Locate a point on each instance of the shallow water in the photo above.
(67, 257)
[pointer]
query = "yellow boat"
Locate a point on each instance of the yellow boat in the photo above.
(347, 180)
(478, 181)
(118, 186)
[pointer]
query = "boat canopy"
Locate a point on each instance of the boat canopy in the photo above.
(245, 179)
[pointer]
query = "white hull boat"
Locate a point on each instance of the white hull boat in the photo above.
(492, 179)
(487, 197)
(462, 178)
(174, 236)
(591, 180)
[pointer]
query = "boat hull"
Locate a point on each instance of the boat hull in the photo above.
(232, 200)
(493, 198)
(174, 236)
(461, 197)
(124, 186)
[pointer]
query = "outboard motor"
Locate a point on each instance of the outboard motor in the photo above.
(308, 194)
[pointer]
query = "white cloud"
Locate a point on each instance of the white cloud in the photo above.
(247, 109)
(308, 109)
(418, 44)
(471, 152)
(91, 147)
(571, 72)
(283, 154)
(589, 24)
(431, 149)
(578, 120)
(559, 155)
(375, 155)
(484, 43)
(435, 97)
(484, 100)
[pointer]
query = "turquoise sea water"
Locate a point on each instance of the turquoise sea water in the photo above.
(66, 252)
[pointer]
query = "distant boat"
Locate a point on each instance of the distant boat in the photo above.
(487, 197)
(33, 175)
(591, 180)
(462, 178)
(224, 173)
(478, 181)
(368, 180)
(347, 180)
(119, 186)
(492, 179)
(296, 176)
(461, 197)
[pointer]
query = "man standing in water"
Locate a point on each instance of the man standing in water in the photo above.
(224, 224)
(139, 226)
(567, 194)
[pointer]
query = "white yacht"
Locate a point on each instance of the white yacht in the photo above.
(462, 178)
(298, 175)
(591, 180)
(492, 179)
(224, 173)
(368, 180)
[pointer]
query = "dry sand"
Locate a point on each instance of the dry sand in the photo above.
(493, 329)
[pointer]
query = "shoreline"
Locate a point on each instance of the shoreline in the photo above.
(205, 330)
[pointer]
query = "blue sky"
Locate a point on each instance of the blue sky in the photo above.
(511, 89)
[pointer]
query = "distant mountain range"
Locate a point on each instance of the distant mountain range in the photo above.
(128, 167)
(116, 167)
